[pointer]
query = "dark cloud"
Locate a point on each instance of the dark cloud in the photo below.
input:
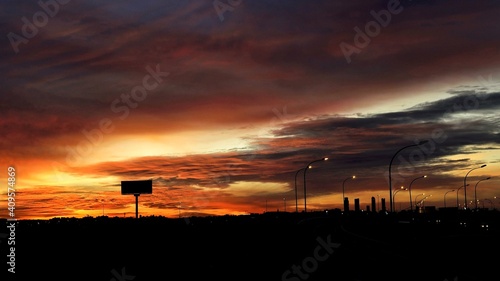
(355, 145)
(271, 65)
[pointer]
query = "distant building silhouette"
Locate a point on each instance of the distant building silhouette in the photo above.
(374, 205)
(346, 204)
(383, 204)
(427, 209)
(356, 205)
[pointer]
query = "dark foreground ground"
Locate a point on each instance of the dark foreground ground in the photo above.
(272, 246)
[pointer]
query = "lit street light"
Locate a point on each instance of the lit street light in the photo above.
(390, 165)
(409, 190)
(394, 195)
(445, 196)
(343, 186)
(305, 170)
(475, 188)
(465, 184)
(423, 199)
(417, 197)
(296, 199)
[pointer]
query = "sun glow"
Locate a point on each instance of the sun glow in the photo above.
(181, 144)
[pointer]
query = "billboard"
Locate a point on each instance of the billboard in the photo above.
(137, 187)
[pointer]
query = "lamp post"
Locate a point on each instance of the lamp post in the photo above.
(465, 184)
(475, 192)
(457, 194)
(102, 204)
(296, 199)
(409, 190)
(390, 165)
(417, 197)
(423, 199)
(445, 196)
(343, 186)
(396, 192)
(305, 170)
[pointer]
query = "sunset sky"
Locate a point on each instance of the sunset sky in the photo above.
(222, 102)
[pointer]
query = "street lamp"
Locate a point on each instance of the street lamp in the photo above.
(396, 192)
(296, 199)
(457, 194)
(475, 187)
(102, 204)
(423, 199)
(306, 168)
(343, 186)
(417, 197)
(445, 196)
(409, 190)
(465, 184)
(390, 165)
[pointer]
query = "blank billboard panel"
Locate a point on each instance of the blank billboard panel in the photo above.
(137, 187)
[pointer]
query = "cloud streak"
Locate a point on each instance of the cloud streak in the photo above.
(248, 100)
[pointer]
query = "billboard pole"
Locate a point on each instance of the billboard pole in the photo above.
(137, 188)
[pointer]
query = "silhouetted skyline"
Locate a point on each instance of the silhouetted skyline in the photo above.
(271, 246)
